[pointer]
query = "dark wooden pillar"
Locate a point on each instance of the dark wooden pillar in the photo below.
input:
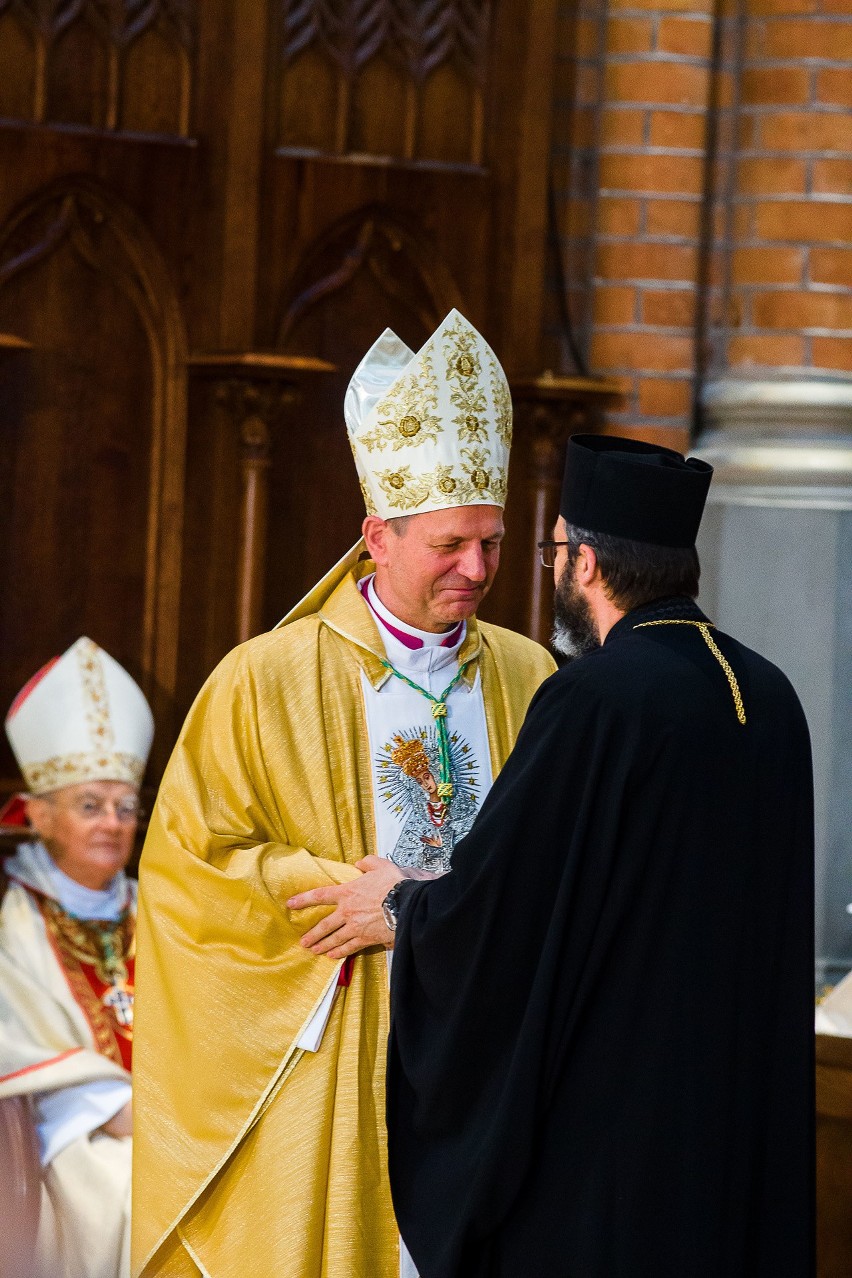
(254, 496)
(253, 411)
(254, 388)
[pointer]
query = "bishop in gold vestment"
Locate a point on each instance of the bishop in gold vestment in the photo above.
(255, 1152)
(251, 1152)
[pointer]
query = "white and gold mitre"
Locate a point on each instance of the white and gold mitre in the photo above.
(430, 430)
(80, 718)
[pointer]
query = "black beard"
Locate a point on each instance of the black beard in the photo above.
(574, 629)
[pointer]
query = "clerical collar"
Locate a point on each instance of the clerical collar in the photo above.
(674, 608)
(409, 636)
(34, 867)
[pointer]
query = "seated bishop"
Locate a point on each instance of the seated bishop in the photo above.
(80, 730)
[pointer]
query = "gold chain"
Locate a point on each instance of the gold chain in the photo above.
(103, 945)
(704, 627)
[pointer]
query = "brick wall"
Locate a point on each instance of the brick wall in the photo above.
(787, 247)
(703, 162)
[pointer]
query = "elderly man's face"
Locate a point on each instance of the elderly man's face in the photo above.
(439, 567)
(88, 829)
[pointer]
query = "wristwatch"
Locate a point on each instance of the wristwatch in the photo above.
(390, 906)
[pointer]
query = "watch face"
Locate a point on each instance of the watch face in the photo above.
(389, 914)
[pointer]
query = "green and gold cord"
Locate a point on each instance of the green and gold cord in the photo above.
(439, 714)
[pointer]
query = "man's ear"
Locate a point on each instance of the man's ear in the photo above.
(586, 567)
(375, 532)
(40, 815)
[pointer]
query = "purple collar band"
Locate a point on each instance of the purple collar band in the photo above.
(404, 637)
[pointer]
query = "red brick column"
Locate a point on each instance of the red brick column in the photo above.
(703, 172)
(649, 221)
(784, 198)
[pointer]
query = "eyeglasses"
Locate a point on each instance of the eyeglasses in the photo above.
(126, 810)
(547, 552)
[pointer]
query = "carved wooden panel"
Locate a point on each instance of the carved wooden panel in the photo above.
(399, 78)
(109, 64)
(375, 242)
(371, 269)
(93, 444)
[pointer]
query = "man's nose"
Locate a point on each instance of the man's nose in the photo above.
(108, 817)
(471, 563)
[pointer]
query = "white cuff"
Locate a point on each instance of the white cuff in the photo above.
(70, 1112)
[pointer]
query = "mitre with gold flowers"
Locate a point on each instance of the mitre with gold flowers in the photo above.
(430, 430)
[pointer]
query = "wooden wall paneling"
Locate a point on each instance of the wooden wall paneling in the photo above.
(81, 85)
(397, 79)
(253, 389)
(379, 117)
(101, 66)
(157, 83)
(426, 129)
(210, 546)
(360, 165)
(113, 94)
(240, 173)
(377, 243)
(445, 211)
(95, 529)
(18, 69)
(519, 128)
(368, 271)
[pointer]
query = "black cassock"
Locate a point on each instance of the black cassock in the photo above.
(600, 1061)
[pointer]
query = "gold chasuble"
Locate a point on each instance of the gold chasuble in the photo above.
(251, 1155)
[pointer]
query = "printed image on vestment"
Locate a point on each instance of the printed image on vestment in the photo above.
(409, 771)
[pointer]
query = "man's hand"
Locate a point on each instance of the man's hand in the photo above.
(357, 921)
(121, 1124)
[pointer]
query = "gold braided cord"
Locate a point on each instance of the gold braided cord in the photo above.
(704, 627)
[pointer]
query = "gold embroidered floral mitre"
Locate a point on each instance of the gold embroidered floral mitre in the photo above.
(80, 718)
(430, 430)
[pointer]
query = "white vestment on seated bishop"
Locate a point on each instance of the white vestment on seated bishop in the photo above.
(48, 1054)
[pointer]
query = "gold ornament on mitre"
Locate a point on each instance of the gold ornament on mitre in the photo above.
(431, 430)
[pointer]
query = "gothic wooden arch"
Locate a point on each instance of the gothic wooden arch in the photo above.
(395, 253)
(94, 235)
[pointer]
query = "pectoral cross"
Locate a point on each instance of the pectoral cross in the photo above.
(120, 1000)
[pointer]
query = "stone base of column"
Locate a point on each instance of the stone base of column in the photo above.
(776, 554)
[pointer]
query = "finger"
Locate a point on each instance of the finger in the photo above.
(326, 927)
(316, 896)
(330, 945)
(370, 863)
(350, 948)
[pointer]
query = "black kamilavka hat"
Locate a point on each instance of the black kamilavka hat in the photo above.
(634, 490)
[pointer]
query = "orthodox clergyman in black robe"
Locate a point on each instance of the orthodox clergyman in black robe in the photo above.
(602, 1019)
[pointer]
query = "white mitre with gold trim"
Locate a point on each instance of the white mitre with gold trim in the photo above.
(80, 718)
(431, 430)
